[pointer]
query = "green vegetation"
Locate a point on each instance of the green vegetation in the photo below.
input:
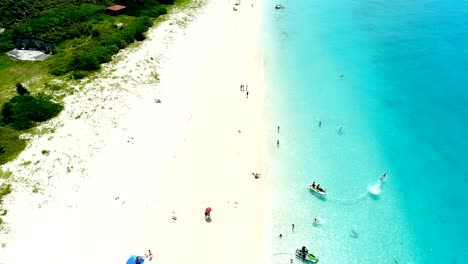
(10, 143)
(5, 189)
(84, 34)
(22, 111)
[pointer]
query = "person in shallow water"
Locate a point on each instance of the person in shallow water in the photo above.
(382, 178)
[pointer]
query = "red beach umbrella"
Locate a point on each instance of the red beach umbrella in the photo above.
(208, 209)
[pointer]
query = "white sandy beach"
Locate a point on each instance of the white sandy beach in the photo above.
(121, 164)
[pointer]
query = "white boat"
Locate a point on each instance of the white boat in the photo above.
(318, 190)
(278, 6)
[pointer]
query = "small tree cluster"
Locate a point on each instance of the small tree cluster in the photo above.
(22, 111)
(21, 90)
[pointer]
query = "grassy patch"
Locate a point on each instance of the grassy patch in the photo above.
(11, 144)
(5, 174)
(5, 189)
(26, 163)
(13, 72)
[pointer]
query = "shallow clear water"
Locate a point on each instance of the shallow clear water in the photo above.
(402, 104)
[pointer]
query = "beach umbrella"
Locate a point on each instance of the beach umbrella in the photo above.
(208, 209)
(132, 260)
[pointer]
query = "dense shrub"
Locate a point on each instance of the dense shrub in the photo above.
(88, 62)
(60, 24)
(167, 2)
(154, 12)
(21, 90)
(77, 75)
(95, 33)
(60, 69)
(22, 111)
(16, 11)
(6, 41)
(137, 7)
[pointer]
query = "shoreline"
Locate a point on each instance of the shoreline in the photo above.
(107, 198)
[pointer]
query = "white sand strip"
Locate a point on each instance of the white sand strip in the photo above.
(115, 175)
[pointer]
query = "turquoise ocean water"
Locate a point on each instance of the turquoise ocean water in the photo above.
(402, 104)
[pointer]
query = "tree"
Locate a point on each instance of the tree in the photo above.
(21, 90)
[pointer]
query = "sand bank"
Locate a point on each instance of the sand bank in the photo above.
(119, 165)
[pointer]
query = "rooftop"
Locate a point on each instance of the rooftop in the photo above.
(116, 7)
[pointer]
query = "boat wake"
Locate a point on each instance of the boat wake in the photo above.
(374, 190)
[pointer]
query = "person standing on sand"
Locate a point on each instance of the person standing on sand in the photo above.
(293, 227)
(278, 129)
(150, 255)
(277, 143)
(247, 94)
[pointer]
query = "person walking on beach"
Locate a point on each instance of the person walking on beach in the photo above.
(246, 88)
(281, 235)
(293, 227)
(247, 94)
(278, 129)
(242, 87)
(150, 255)
(277, 143)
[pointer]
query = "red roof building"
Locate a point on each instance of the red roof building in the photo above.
(116, 9)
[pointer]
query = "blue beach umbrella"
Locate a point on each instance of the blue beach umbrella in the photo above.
(132, 260)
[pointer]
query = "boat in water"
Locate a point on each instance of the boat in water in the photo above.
(317, 189)
(278, 6)
(304, 255)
